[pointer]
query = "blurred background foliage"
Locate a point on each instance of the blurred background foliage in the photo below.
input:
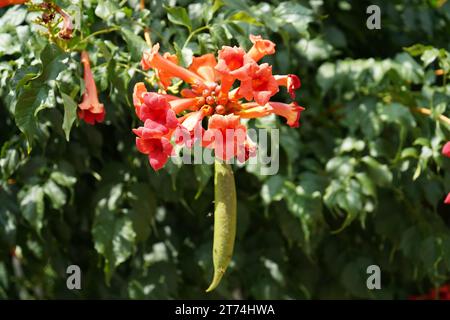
(361, 182)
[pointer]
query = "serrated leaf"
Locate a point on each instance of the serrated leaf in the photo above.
(243, 16)
(106, 9)
(8, 219)
(143, 204)
(272, 189)
(55, 194)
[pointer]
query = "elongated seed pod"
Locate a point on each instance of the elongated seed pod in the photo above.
(224, 220)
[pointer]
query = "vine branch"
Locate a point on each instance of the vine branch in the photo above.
(428, 112)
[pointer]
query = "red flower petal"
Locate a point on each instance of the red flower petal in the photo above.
(446, 150)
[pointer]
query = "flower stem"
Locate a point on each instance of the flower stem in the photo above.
(428, 112)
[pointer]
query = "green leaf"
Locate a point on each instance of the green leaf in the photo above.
(417, 49)
(396, 113)
(306, 205)
(379, 173)
(295, 14)
(106, 9)
(136, 45)
(32, 206)
(9, 162)
(179, 15)
(70, 114)
(14, 16)
(37, 94)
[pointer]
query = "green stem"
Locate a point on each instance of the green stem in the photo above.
(193, 33)
(96, 33)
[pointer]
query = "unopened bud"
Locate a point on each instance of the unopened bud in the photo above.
(220, 109)
(210, 100)
(206, 93)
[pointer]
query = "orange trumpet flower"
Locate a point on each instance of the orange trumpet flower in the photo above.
(211, 95)
(90, 109)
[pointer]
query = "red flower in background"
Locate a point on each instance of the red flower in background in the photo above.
(442, 293)
(211, 94)
(4, 3)
(90, 109)
(446, 150)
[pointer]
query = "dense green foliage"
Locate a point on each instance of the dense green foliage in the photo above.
(361, 181)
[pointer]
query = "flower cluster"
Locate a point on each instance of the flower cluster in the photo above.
(90, 109)
(225, 89)
(442, 293)
(49, 11)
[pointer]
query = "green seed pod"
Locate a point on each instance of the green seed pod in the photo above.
(224, 220)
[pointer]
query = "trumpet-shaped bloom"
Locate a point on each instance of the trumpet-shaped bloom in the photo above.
(291, 112)
(290, 81)
(204, 67)
(233, 64)
(260, 48)
(158, 150)
(228, 137)
(67, 28)
(90, 109)
(261, 86)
